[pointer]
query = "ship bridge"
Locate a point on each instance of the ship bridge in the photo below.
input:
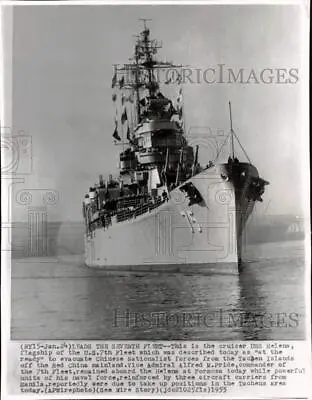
(156, 126)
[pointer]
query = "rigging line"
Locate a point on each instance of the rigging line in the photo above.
(122, 137)
(246, 155)
(221, 147)
(232, 139)
(183, 110)
(131, 118)
(266, 208)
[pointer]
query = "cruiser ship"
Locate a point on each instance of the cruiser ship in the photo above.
(164, 208)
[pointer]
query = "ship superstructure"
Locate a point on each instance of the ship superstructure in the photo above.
(164, 207)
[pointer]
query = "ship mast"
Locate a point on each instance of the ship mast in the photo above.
(139, 74)
(149, 62)
(137, 83)
(147, 48)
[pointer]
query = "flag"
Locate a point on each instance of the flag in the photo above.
(124, 117)
(180, 112)
(179, 124)
(122, 82)
(179, 99)
(172, 109)
(115, 134)
(128, 134)
(114, 97)
(114, 80)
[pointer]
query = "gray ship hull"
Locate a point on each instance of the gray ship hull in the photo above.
(177, 233)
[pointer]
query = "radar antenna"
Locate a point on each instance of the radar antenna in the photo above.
(144, 21)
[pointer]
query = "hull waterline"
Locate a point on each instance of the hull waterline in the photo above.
(178, 233)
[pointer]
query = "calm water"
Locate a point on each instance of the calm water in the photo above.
(63, 299)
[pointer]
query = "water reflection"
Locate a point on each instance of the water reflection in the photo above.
(254, 315)
(162, 305)
(66, 300)
(139, 306)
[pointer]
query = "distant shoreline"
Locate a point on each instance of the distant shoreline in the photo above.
(67, 238)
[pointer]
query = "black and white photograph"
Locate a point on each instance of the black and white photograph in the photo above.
(158, 161)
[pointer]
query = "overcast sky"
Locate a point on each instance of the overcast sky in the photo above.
(62, 70)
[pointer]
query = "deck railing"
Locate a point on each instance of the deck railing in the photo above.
(133, 209)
